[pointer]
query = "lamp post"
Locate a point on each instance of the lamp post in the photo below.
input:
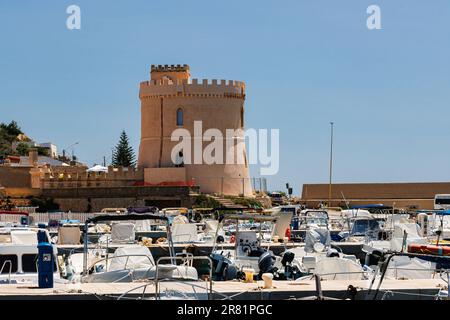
(331, 163)
(70, 147)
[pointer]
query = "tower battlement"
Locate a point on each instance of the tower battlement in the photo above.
(192, 86)
(169, 68)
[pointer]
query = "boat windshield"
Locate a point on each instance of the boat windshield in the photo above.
(363, 226)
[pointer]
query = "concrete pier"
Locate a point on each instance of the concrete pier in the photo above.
(423, 289)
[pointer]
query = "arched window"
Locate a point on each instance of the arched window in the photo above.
(179, 117)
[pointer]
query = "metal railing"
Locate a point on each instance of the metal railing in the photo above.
(121, 256)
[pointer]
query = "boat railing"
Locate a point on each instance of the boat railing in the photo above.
(121, 256)
(187, 258)
(434, 271)
(10, 269)
(144, 289)
(157, 280)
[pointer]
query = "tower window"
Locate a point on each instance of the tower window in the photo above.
(179, 117)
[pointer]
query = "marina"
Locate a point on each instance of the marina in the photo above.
(166, 254)
(224, 159)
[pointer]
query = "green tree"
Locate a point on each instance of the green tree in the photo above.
(42, 151)
(8, 134)
(123, 154)
(22, 149)
(11, 129)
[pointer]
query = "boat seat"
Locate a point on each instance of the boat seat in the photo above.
(123, 232)
(69, 235)
(184, 233)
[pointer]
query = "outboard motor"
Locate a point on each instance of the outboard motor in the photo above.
(288, 257)
(223, 268)
(266, 263)
(290, 271)
(373, 258)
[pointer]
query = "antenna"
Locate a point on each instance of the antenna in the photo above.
(345, 200)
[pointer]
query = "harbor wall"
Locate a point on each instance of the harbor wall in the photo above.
(401, 195)
(96, 198)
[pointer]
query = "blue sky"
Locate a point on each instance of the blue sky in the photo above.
(305, 63)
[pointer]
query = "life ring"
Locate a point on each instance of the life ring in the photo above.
(233, 239)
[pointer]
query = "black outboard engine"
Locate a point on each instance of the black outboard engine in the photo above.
(288, 257)
(223, 268)
(373, 258)
(290, 271)
(266, 263)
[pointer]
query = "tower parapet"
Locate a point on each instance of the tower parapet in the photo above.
(166, 87)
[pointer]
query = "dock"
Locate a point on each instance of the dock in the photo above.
(418, 289)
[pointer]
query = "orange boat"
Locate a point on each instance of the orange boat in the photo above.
(429, 249)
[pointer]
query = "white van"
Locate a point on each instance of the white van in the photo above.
(442, 202)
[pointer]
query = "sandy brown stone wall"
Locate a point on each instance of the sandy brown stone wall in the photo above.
(15, 177)
(420, 195)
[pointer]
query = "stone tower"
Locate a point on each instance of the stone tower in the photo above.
(171, 100)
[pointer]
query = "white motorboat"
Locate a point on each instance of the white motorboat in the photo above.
(19, 255)
(129, 262)
(318, 257)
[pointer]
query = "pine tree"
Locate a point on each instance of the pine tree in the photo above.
(123, 154)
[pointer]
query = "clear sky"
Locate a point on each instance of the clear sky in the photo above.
(305, 63)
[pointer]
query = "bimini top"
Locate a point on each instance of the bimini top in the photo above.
(443, 212)
(124, 217)
(250, 217)
(438, 212)
(372, 206)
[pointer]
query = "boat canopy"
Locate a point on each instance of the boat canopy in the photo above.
(133, 257)
(372, 206)
(251, 217)
(125, 217)
(443, 213)
(438, 212)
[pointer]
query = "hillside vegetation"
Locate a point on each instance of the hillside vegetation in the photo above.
(8, 134)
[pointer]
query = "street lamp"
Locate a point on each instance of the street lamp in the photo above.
(70, 147)
(331, 163)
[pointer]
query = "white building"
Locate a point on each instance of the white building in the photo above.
(52, 149)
